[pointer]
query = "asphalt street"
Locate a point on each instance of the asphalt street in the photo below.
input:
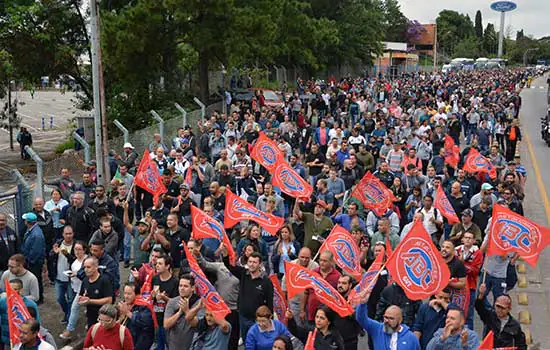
(536, 158)
(57, 109)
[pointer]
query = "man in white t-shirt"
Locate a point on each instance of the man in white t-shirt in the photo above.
(433, 220)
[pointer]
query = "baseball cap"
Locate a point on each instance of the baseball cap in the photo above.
(486, 186)
(322, 204)
(184, 187)
(143, 222)
(128, 145)
(30, 217)
(468, 212)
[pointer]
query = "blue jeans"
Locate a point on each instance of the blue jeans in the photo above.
(161, 338)
(245, 324)
(470, 318)
(64, 294)
(495, 285)
(75, 311)
(127, 246)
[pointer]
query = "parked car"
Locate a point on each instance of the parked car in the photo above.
(272, 98)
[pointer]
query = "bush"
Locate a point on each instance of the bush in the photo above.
(68, 144)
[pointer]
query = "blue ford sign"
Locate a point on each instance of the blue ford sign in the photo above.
(503, 6)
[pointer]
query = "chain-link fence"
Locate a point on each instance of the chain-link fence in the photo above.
(8, 207)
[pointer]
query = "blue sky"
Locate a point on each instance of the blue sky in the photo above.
(530, 15)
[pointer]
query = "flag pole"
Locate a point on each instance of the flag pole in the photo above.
(373, 280)
(130, 191)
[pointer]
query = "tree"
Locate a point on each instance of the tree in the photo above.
(452, 27)
(467, 47)
(490, 40)
(45, 38)
(360, 29)
(396, 24)
(479, 25)
(519, 35)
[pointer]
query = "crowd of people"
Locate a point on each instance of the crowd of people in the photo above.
(85, 234)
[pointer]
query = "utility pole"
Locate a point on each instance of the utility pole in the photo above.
(95, 59)
(10, 125)
(105, 142)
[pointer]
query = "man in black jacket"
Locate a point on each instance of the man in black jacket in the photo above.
(81, 218)
(509, 335)
(255, 290)
(44, 220)
(9, 242)
(395, 295)
(348, 326)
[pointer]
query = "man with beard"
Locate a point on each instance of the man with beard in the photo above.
(391, 333)
(454, 335)
(347, 326)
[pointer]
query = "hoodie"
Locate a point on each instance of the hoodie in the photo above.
(406, 340)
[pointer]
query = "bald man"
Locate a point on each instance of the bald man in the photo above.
(304, 260)
(390, 334)
(507, 329)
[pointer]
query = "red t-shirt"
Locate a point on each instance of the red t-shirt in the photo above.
(109, 338)
(312, 302)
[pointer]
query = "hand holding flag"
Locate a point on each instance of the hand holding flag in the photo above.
(441, 203)
(148, 177)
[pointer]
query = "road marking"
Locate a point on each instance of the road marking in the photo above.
(540, 183)
(28, 116)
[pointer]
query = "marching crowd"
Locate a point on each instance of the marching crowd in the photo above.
(84, 234)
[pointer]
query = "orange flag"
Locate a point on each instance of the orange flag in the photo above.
(310, 343)
(17, 313)
(417, 266)
(488, 342)
(441, 203)
(513, 233)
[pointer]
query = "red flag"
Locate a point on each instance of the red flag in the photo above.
(210, 297)
(267, 153)
(298, 279)
(237, 209)
(148, 177)
(452, 152)
(279, 300)
(205, 226)
(188, 176)
(461, 297)
(476, 163)
(373, 194)
(367, 281)
(488, 343)
(147, 285)
(345, 250)
(310, 343)
(513, 233)
(291, 183)
(441, 203)
(417, 266)
(17, 313)
(389, 249)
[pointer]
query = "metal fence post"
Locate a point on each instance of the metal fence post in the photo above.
(158, 118)
(123, 129)
(202, 106)
(39, 171)
(184, 112)
(86, 146)
(16, 174)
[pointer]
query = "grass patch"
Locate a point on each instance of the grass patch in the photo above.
(68, 144)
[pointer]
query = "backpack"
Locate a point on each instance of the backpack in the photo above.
(121, 333)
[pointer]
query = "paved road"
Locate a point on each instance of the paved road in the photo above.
(46, 104)
(536, 158)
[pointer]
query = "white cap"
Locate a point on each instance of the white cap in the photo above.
(128, 145)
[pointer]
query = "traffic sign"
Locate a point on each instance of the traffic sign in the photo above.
(503, 6)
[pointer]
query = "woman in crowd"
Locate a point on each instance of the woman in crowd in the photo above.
(286, 249)
(264, 332)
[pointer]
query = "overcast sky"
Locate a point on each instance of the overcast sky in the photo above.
(530, 15)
